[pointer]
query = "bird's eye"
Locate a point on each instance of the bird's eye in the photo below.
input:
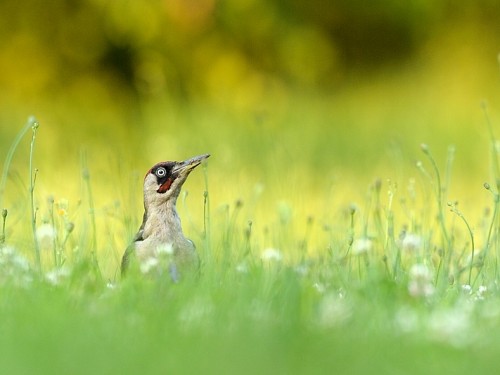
(161, 172)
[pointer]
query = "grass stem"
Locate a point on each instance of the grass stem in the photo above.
(471, 234)
(10, 155)
(33, 174)
(4, 219)
(206, 214)
(88, 187)
(439, 190)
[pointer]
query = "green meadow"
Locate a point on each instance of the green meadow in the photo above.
(347, 220)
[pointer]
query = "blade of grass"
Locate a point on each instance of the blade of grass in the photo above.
(4, 219)
(33, 174)
(88, 187)
(10, 155)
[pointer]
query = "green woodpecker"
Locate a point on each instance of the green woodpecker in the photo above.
(160, 241)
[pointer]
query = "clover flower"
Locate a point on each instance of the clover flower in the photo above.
(361, 246)
(271, 255)
(420, 283)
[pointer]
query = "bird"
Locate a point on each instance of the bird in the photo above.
(160, 236)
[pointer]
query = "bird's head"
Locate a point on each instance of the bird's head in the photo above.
(164, 180)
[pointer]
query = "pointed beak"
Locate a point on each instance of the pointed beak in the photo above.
(186, 166)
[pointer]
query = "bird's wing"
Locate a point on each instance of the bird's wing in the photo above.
(126, 258)
(129, 251)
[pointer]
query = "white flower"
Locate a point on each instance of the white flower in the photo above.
(45, 232)
(20, 262)
(333, 311)
(420, 283)
(55, 276)
(452, 326)
(148, 264)
(271, 255)
(242, 268)
(6, 251)
(481, 291)
(418, 289)
(421, 272)
(407, 319)
(14, 267)
(165, 248)
(11, 259)
(411, 242)
(361, 246)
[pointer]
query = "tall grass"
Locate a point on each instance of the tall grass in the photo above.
(380, 288)
(33, 174)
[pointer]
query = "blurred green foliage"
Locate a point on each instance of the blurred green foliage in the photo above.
(210, 48)
(303, 105)
(291, 94)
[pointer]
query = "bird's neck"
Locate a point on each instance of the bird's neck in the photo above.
(163, 222)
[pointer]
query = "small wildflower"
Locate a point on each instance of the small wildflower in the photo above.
(452, 326)
(20, 262)
(45, 231)
(149, 264)
(361, 246)
(407, 319)
(420, 283)
(420, 271)
(14, 268)
(6, 251)
(333, 311)
(411, 242)
(242, 268)
(271, 255)
(166, 249)
(481, 291)
(62, 207)
(9, 257)
(56, 276)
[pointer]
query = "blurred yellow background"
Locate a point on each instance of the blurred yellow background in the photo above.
(302, 104)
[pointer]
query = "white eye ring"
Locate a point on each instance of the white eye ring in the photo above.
(161, 172)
